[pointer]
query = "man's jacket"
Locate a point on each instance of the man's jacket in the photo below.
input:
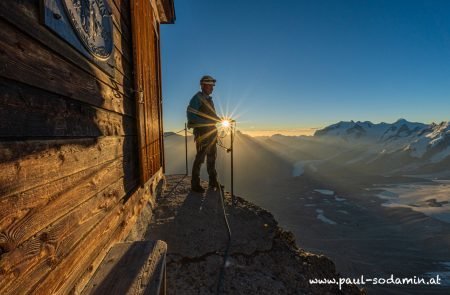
(201, 111)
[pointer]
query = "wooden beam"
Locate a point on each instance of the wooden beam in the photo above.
(28, 164)
(24, 15)
(150, 187)
(22, 216)
(113, 228)
(24, 60)
(28, 264)
(44, 114)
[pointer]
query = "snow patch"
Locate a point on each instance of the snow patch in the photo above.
(322, 217)
(430, 199)
(339, 199)
(418, 147)
(325, 192)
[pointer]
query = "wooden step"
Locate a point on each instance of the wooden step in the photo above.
(131, 268)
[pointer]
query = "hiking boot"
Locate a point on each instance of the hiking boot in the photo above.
(197, 188)
(213, 184)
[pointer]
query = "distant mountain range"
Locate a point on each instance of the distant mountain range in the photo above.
(399, 147)
(417, 139)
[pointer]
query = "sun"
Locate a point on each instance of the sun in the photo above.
(225, 123)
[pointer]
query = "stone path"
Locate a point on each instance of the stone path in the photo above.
(263, 258)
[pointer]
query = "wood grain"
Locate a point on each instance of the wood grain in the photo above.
(68, 151)
(121, 17)
(20, 223)
(150, 187)
(113, 228)
(130, 268)
(44, 114)
(24, 60)
(146, 59)
(28, 164)
(25, 14)
(48, 247)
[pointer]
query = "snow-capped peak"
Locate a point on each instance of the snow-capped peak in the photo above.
(415, 138)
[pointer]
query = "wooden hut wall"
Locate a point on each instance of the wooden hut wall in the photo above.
(69, 159)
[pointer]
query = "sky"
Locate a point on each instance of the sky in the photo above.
(294, 66)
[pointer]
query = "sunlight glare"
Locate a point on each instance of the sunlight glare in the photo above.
(225, 123)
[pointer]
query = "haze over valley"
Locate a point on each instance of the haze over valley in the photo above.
(373, 197)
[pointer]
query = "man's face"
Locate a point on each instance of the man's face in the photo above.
(207, 89)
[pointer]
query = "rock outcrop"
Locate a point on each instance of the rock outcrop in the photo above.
(263, 258)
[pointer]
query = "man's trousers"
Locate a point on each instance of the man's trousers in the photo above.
(205, 143)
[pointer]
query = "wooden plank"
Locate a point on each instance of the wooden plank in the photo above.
(161, 121)
(113, 228)
(124, 7)
(41, 113)
(137, 56)
(98, 237)
(130, 268)
(28, 164)
(121, 44)
(151, 187)
(26, 61)
(24, 214)
(124, 67)
(25, 15)
(121, 17)
(27, 264)
(146, 69)
(78, 186)
(23, 269)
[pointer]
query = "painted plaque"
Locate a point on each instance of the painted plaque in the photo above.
(92, 22)
(87, 25)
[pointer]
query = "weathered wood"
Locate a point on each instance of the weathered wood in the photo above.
(130, 268)
(25, 60)
(125, 68)
(145, 41)
(124, 7)
(69, 266)
(20, 223)
(41, 113)
(114, 227)
(151, 187)
(27, 264)
(68, 186)
(28, 164)
(121, 17)
(24, 15)
(55, 18)
(122, 44)
(84, 183)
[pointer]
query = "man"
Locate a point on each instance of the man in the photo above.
(202, 117)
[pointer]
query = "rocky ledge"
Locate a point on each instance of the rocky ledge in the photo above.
(263, 258)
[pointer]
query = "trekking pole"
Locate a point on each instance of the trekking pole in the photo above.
(233, 128)
(186, 147)
(232, 170)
